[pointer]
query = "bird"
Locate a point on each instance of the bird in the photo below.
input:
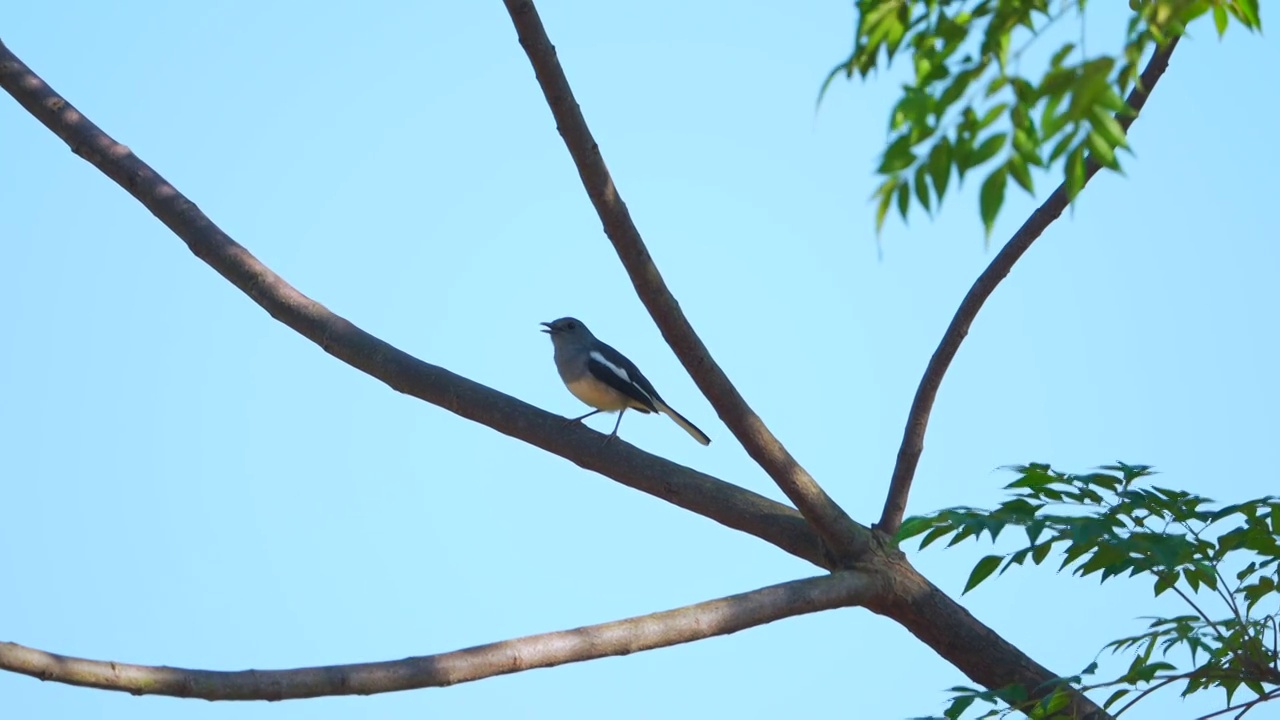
(605, 379)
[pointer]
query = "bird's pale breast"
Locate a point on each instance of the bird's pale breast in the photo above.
(598, 395)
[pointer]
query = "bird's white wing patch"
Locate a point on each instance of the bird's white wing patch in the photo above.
(598, 357)
(619, 378)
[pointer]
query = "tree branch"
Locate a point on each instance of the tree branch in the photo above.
(895, 505)
(845, 538)
(962, 640)
(663, 629)
(718, 500)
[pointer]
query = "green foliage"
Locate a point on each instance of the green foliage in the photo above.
(968, 105)
(1109, 524)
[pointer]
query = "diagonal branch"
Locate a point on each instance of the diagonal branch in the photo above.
(672, 627)
(959, 638)
(842, 535)
(895, 505)
(718, 500)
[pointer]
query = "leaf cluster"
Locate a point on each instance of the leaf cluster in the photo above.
(1109, 523)
(1110, 526)
(968, 105)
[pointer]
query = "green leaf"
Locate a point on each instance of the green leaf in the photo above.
(1061, 55)
(904, 199)
(958, 706)
(845, 67)
(1057, 82)
(1111, 101)
(1002, 50)
(1026, 146)
(1024, 92)
(958, 85)
(987, 149)
(897, 156)
(1018, 169)
(982, 571)
(1106, 125)
(1055, 702)
(1207, 575)
(1052, 121)
(1101, 151)
(922, 186)
(1115, 696)
(1192, 579)
(1220, 19)
(1094, 80)
(1034, 528)
(960, 153)
(1247, 11)
(1041, 552)
(991, 197)
(1075, 172)
(940, 166)
(997, 85)
(913, 526)
(992, 115)
(885, 193)
(1016, 558)
(935, 534)
(1062, 146)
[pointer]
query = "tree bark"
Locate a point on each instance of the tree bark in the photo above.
(672, 627)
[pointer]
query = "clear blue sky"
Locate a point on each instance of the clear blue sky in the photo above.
(187, 482)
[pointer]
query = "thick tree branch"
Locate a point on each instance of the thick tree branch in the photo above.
(721, 501)
(663, 629)
(844, 538)
(895, 505)
(959, 638)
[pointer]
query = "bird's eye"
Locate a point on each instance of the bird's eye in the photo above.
(572, 326)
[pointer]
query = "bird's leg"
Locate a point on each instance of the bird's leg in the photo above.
(567, 423)
(614, 434)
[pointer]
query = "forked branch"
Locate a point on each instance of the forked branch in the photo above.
(895, 505)
(844, 538)
(672, 627)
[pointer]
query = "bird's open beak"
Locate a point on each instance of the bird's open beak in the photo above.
(546, 327)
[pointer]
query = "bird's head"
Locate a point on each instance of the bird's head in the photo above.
(566, 328)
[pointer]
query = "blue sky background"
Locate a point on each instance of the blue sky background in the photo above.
(188, 482)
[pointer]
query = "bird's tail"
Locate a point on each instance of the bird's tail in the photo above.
(682, 422)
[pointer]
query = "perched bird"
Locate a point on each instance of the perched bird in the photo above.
(606, 380)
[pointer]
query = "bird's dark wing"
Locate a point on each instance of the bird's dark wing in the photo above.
(613, 369)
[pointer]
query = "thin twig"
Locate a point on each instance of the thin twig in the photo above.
(700, 493)
(845, 538)
(1275, 644)
(1221, 585)
(672, 627)
(1187, 599)
(1247, 706)
(1227, 595)
(895, 504)
(1164, 682)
